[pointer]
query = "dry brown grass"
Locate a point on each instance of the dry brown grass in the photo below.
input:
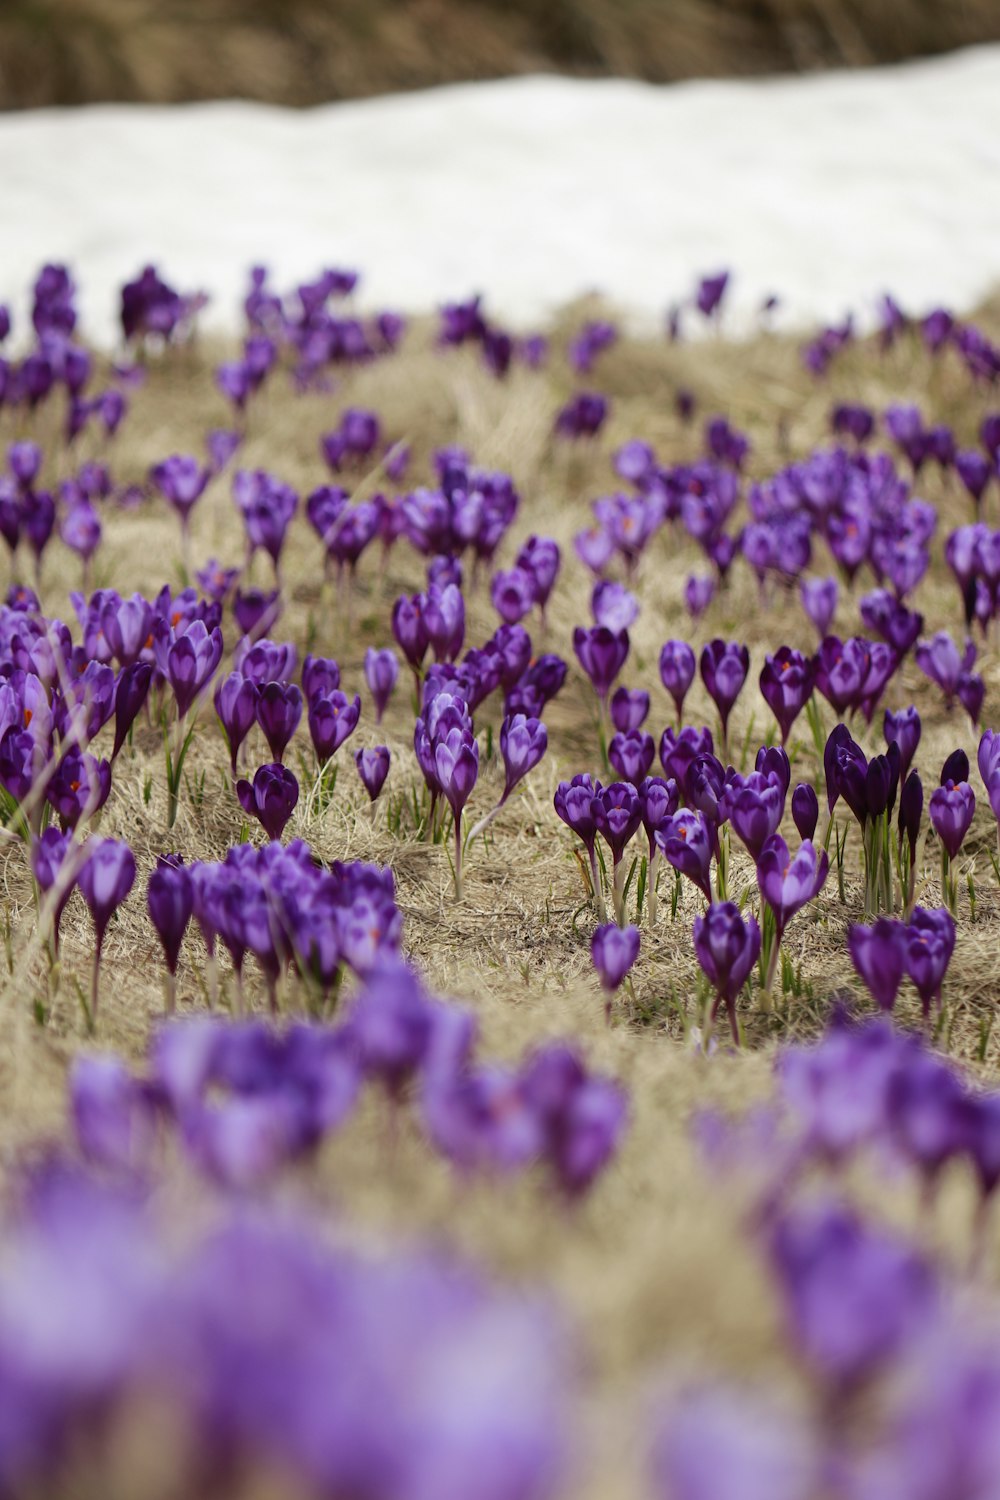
(647, 1268)
(302, 52)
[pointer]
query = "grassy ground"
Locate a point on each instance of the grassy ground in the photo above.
(644, 1268)
(307, 51)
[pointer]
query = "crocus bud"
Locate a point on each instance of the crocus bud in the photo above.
(373, 768)
(805, 810)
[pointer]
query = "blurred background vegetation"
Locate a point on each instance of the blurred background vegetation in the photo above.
(302, 52)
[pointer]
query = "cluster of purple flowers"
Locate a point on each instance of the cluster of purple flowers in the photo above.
(244, 1100)
(270, 1351)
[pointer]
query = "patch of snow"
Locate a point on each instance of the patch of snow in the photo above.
(827, 189)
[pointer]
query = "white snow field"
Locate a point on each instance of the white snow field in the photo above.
(827, 189)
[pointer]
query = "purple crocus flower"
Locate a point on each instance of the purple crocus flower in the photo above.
(373, 768)
(788, 883)
(819, 600)
(409, 629)
(786, 684)
(678, 748)
(718, 1445)
(951, 810)
(523, 742)
(270, 798)
(686, 842)
(629, 709)
(381, 673)
(78, 788)
(332, 718)
(106, 877)
(613, 606)
(613, 950)
(182, 480)
(320, 674)
(856, 1296)
(699, 591)
(677, 664)
(724, 666)
(754, 811)
(279, 709)
(903, 729)
(710, 293)
(54, 858)
(939, 659)
(726, 946)
(256, 611)
(574, 805)
(236, 706)
(602, 654)
(617, 815)
(456, 768)
(879, 956)
(188, 660)
(540, 557)
(131, 692)
(976, 472)
(842, 669)
(805, 810)
(513, 594)
(631, 754)
(170, 899)
(930, 942)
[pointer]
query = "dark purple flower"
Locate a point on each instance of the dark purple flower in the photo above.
(131, 692)
(726, 946)
(951, 810)
(879, 955)
(939, 659)
(523, 742)
(787, 883)
(678, 748)
(819, 600)
(975, 471)
(574, 805)
(182, 480)
(583, 1115)
(320, 674)
(754, 813)
(106, 877)
(602, 655)
(786, 684)
(724, 666)
(271, 798)
(842, 669)
(409, 629)
(805, 810)
(540, 558)
(903, 729)
(632, 754)
(677, 664)
(381, 672)
(583, 415)
(911, 807)
(55, 858)
(698, 594)
(236, 706)
(686, 842)
(613, 950)
(613, 606)
(629, 709)
(373, 768)
(188, 660)
(856, 1296)
(279, 709)
(617, 815)
(78, 788)
(710, 293)
(930, 942)
(332, 718)
(658, 800)
(256, 610)
(170, 898)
